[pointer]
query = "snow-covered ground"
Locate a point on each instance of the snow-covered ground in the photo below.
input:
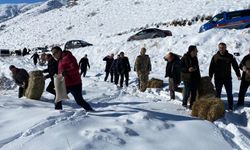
(125, 118)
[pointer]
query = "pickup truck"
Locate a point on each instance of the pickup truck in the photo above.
(228, 20)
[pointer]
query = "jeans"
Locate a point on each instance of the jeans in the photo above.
(243, 89)
(189, 88)
(76, 91)
(122, 79)
(107, 75)
(228, 86)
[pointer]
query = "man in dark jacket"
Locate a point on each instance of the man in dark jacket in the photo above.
(220, 67)
(142, 67)
(114, 69)
(123, 69)
(190, 75)
(68, 67)
(245, 80)
(52, 69)
(173, 71)
(35, 57)
(83, 64)
(109, 60)
(21, 78)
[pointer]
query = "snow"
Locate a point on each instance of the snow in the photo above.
(126, 118)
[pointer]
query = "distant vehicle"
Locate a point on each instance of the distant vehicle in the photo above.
(40, 49)
(5, 52)
(228, 20)
(76, 44)
(150, 34)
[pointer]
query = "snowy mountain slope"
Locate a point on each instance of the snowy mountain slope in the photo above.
(9, 11)
(125, 118)
(92, 19)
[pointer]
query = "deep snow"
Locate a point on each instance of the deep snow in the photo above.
(125, 118)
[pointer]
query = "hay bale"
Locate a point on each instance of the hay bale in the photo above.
(206, 88)
(155, 83)
(203, 109)
(215, 112)
(36, 85)
(208, 108)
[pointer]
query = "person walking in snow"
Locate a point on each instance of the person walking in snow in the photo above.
(142, 67)
(114, 69)
(21, 78)
(173, 72)
(220, 68)
(35, 57)
(245, 80)
(109, 60)
(68, 67)
(83, 64)
(123, 69)
(52, 69)
(190, 75)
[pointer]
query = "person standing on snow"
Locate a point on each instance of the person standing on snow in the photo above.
(83, 64)
(220, 67)
(173, 72)
(245, 80)
(21, 78)
(190, 75)
(109, 60)
(52, 69)
(35, 57)
(123, 69)
(142, 67)
(68, 67)
(114, 69)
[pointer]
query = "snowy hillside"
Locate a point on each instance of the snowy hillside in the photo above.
(126, 119)
(9, 11)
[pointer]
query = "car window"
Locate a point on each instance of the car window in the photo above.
(217, 18)
(234, 15)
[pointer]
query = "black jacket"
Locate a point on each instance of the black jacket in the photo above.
(186, 62)
(52, 68)
(109, 62)
(245, 62)
(173, 69)
(123, 65)
(220, 66)
(84, 63)
(21, 76)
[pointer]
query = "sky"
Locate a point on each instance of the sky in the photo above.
(19, 1)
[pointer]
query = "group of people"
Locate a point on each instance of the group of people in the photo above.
(118, 68)
(185, 68)
(60, 62)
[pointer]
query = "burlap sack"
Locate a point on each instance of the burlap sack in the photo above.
(155, 83)
(36, 85)
(60, 88)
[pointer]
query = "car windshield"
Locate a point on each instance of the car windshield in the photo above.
(217, 18)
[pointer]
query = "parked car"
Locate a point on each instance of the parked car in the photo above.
(229, 20)
(150, 34)
(76, 44)
(40, 49)
(5, 52)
